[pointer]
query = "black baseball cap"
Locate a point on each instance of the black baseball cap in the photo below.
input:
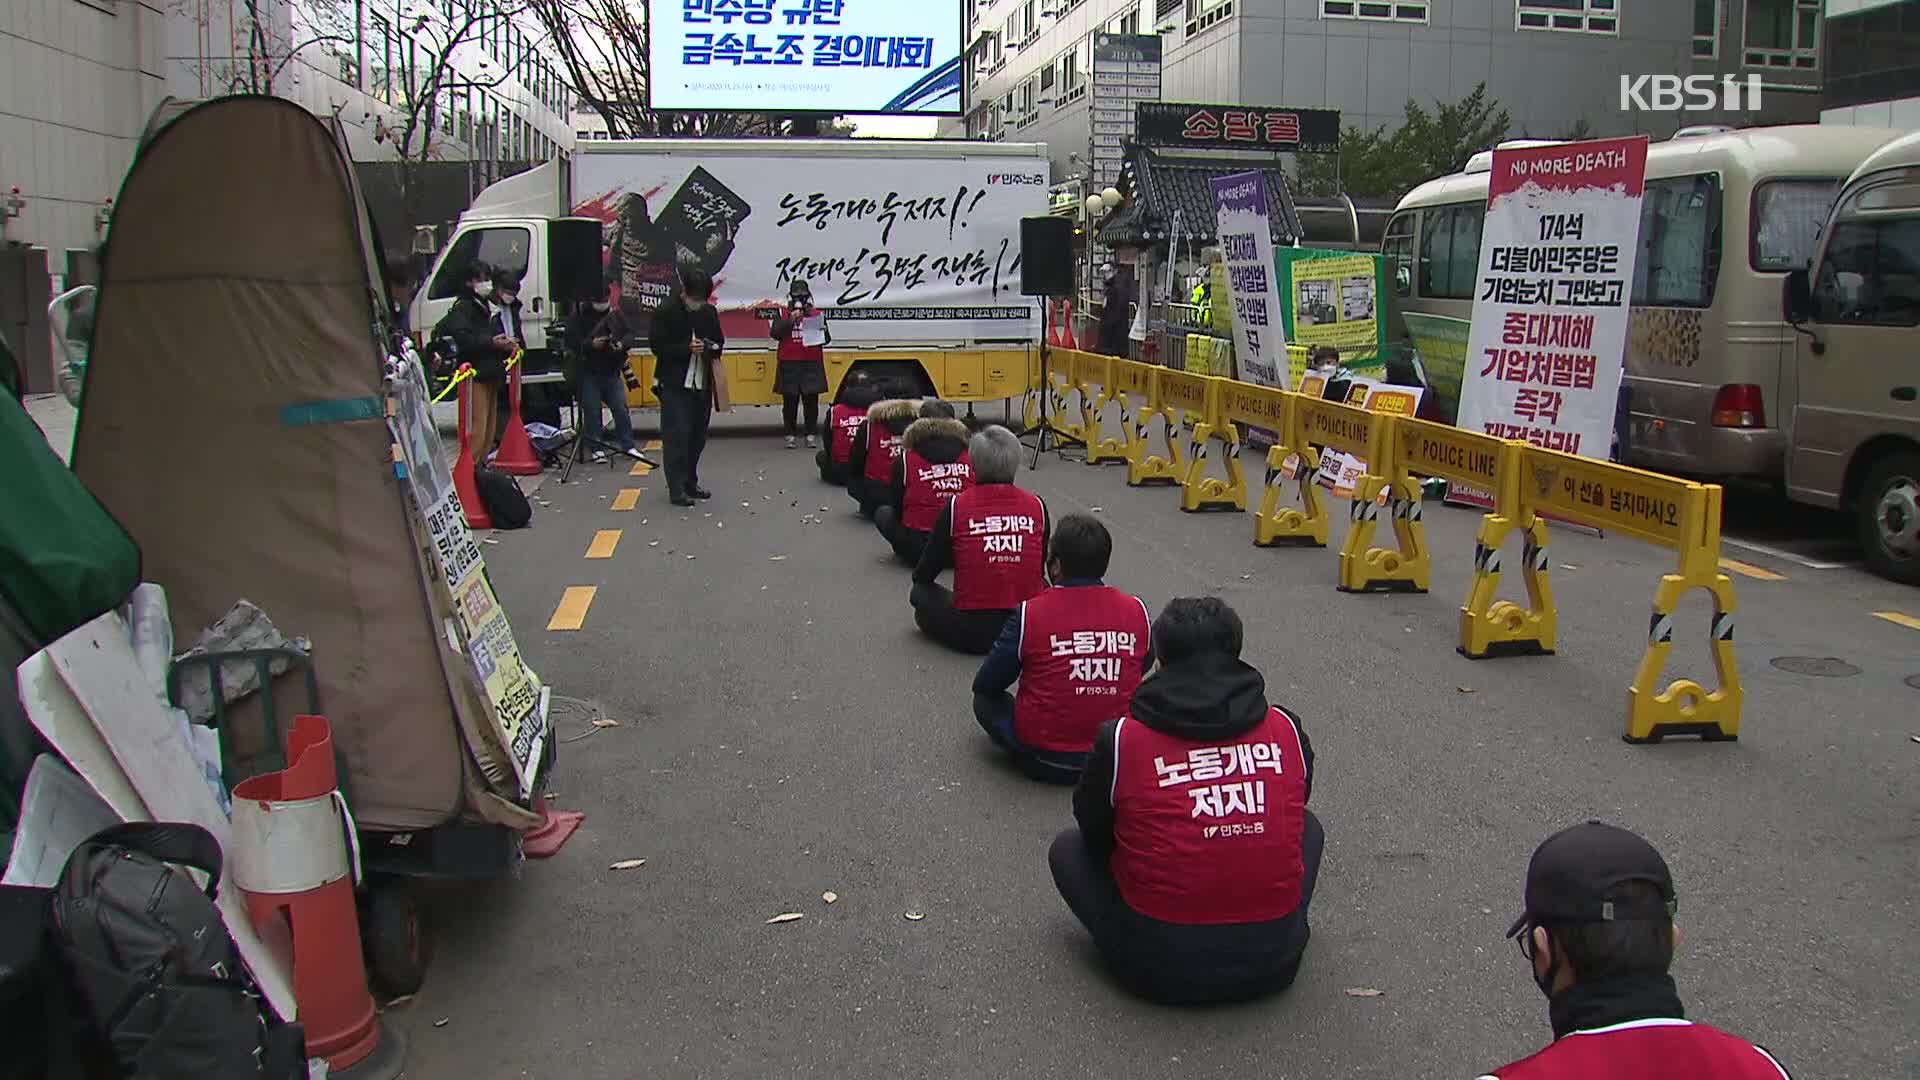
(1572, 873)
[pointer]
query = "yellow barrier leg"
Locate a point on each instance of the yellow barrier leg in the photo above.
(1062, 416)
(1144, 467)
(1274, 524)
(1490, 627)
(1106, 450)
(1685, 707)
(1201, 492)
(1364, 568)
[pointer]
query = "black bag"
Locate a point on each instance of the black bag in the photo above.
(151, 962)
(500, 494)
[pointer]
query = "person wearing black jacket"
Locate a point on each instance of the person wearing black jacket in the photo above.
(598, 334)
(892, 413)
(1218, 846)
(1114, 316)
(686, 341)
(942, 440)
(484, 347)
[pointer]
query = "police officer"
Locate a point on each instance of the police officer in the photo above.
(931, 468)
(1078, 649)
(1195, 857)
(1599, 934)
(993, 536)
(875, 445)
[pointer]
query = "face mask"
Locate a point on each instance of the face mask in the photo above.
(483, 290)
(601, 306)
(802, 300)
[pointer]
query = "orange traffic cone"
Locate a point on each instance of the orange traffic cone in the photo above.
(291, 857)
(515, 455)
(463, 485)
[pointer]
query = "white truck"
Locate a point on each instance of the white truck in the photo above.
(912, 249)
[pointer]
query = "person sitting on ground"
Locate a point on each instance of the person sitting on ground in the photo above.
(1196, 856)
(993, 536)
(858, 392)
(1078, 649)
(932, 467)
(875, 445)
(1597, 929)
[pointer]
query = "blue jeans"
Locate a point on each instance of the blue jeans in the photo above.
(610, 389)
(995, 714)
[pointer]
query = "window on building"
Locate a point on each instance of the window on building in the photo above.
(1783, 34)
(1047, 75)
(1375, 10)
(1397, 246)
(1787, 217)
(503, 248)
(1706, 28)
(1679, 258)
(1450, 251)
(1032, 23)
(1128, 23)
(1576, 16)
(1203, 15)
(1070, 71)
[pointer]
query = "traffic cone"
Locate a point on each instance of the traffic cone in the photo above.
(463, 485)
(291, 858)
(1066, 325)
(515, 456)
(543, 840)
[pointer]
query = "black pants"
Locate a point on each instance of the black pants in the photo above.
(790, 405)
(868, 493)
(831, 471)
(995, 714)
(907, 543)
(684, 416)
(1185, 965)
(966, 631)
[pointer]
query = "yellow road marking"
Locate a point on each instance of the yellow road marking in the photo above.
(1898, 619)
(640, 468)
(650, 444)
(604, 541)
(1760, 573)
(572, 612)
(627, 498)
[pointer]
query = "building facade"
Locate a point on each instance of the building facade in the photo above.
(79, 80)
(1872, 63)
(1555, 65)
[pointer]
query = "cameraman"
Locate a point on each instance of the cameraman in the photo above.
(599, 336)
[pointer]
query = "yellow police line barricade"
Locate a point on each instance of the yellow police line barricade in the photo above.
(1059, 384)
(1197, 399)
(1030, 401)
(1272, 409)
(1143, 465)
(1488, 626)
(1130, 388)
(1093, 375)
(1384, 486)
(1673, 513)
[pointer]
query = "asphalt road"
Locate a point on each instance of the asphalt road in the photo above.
(784, 731)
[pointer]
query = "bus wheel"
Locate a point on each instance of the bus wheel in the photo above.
(1888, 512)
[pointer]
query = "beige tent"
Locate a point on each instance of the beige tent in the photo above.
(234, 422)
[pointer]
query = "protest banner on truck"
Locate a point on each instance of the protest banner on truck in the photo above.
(1246, 247)
(1549, 328)
(915, 240)
(1333, 298)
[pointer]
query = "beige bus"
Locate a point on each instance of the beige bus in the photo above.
(1727, 215)
(1854, 429)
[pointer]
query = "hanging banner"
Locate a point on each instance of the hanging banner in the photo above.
(1333, 298)
(1549, 326)
(1246, 249)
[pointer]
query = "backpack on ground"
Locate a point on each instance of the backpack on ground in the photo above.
(144, 950)
(500, 494)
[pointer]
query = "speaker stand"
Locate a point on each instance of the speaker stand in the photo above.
(1044, 434)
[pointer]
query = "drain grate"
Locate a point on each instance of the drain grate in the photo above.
(1825, 667)
(572, 715)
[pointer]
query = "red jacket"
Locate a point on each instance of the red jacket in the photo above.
(1654, 1049)
(787, 329)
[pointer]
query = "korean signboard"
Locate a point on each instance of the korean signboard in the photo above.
(1237, 127)
(838, 56)
(1126, 72)
(1333, 298)
(1246, 247)
(1550, 306)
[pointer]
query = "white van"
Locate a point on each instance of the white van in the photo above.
(1854, 432)
(1726, 216)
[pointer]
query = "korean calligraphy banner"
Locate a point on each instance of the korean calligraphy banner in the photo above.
(836, 56)
(1333, 298)
(1246, 245)
(905, 246)
(1550, 314)
(1237, 127)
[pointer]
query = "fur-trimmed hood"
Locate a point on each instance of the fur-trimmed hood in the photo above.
(895, 414)
(939, 439)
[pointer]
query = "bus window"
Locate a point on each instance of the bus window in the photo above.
(1397, 246)
(1871, 275)
(1679, 243)
(1450, 251)
(501, 248)
(1787, 216)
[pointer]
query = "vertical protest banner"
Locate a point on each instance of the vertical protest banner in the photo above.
(1246, 247)
(1549, 328)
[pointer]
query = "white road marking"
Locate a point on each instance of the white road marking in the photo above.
(1781, 553)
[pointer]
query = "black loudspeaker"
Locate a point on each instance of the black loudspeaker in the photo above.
(1046, 256)
(573, 260)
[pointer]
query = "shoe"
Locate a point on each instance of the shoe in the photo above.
(634, 453)
(789, 442)
(679, 500)
(810, 442)
(598, 457)
(699, 492)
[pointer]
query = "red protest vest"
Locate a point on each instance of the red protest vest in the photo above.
(998, 533)
(842, 422)
(1082, 651)
(791, 347)
(930, 484)
(883, 446)
(1659, 1049)
(1207, 834)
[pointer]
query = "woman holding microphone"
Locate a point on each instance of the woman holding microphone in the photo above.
(801, 373)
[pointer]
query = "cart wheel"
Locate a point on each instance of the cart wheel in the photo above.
(396, 949)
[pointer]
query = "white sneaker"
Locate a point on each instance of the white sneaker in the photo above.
(634, 453)
(810, 443)
(599, 457)
(789, 442)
